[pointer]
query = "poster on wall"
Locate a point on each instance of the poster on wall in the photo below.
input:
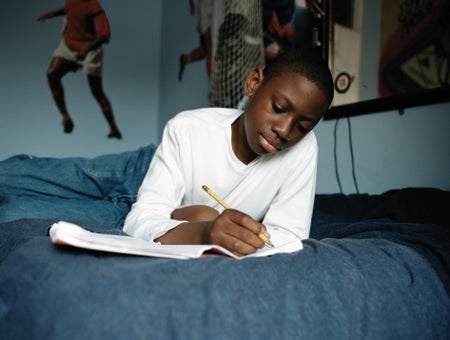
(236, 36)
(345, 61)
(415, 46)
(293, 23)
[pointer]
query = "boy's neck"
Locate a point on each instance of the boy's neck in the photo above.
(239, 142)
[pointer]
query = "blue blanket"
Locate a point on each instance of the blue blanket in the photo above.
(364, 280)
(375, 267)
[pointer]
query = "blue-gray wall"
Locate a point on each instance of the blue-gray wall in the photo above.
(141, 66)
(179, 35)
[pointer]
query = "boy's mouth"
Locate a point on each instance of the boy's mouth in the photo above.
(268, 145)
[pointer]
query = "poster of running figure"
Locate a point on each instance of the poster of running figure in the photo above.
(86, 29)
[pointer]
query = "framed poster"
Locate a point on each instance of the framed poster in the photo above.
(394, 55)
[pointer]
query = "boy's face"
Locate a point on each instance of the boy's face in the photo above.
(280, 112)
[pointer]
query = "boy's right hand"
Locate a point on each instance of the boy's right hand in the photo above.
(236, 231)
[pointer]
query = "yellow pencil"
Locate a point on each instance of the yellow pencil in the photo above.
(226, 206)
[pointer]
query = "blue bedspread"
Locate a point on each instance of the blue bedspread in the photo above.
(375, 267)
(361, 280)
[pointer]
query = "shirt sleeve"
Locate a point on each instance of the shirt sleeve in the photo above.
(101, 26)
(161, 192)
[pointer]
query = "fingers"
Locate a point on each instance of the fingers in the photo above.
(237, 232)
(240, 245)
(246, 222)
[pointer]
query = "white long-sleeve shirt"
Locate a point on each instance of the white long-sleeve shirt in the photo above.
(276, 189)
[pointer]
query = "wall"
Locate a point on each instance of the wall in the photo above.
(390, 151)
(179, 36)
(30, 122)
(141, 66)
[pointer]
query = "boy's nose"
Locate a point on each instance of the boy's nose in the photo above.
(283, 128)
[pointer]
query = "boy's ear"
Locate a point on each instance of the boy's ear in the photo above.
(254, 79)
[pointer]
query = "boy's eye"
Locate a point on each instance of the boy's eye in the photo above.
(302, 128)
(276, 108)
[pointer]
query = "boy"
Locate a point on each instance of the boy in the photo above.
(262, 162)
(86, 30)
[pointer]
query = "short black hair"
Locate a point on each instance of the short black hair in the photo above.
(311, 66)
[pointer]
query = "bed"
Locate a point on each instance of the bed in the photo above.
(374, 267)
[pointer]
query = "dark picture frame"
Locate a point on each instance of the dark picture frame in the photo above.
(422, 27)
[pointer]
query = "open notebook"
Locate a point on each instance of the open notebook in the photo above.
(65, 233)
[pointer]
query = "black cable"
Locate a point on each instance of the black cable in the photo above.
(351, 154)
(335, 157)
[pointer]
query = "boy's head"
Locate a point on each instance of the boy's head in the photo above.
(310, 66)
(286, 100)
